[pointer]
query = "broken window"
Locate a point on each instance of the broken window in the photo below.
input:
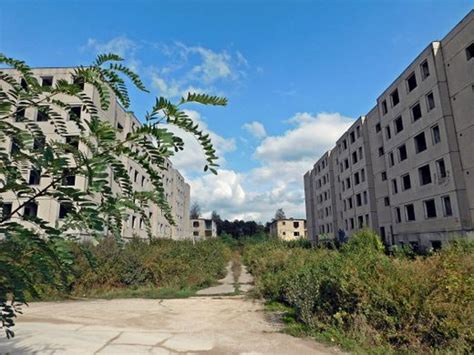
(64, 209)
(441, 168)
(425, 175)
(406, 182)
(30, 210)
(470, 52)
(430, 102)
(420, 142)
(398, 124)
(402, 152)
(394, 186)
(436, 134)
(416, 112)
(395, 98)
(411, 82)
(425, 70)
(35, 177)
(447, 209)
(384, 107)
(430, 208)
(410, 212)
(46, 81)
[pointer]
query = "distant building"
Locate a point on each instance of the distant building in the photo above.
(288, 229)
(203, 228)
(406, 169)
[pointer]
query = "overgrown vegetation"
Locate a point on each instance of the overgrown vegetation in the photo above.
(367, 301)
(159, 269)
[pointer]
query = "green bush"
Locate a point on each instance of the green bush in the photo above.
(370, 298)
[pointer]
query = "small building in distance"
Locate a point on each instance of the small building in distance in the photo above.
(203, 228)
(288, 229)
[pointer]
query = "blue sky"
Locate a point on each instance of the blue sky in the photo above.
(295, 73)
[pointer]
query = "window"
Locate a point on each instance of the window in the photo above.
(395, 98)
(425, 70)
(425, 175)
(73, 142)
(416, 112)
(30, 210)
(411, 82)
(344, 144)
(384, 175)
(143, 180)
(296, 224)
(78, 82)
(352, 137)
(352, 223)
(356, 179)
(360, 221)
(420, 142)
(64, 209)
(296, 234)
(378, 127)
(391, 159)
(69, 179)
(470, 52)
(410, 212)
(42, 115)
(7, 208)
(362, 175)
(360, 153)
(394, 186)
(35, 177)
(381, 151)
(354, 157)
(135, 178)
(398, 124)
(384, 107)
(441, 168)
(430, 208)
(15, 147)
(447, 209)
(366, 201)
(388, 132)
(386, 201)
(119, 127)
(196, 224)
(46, 81)
(75, 113)
(39, 143)
(349, 201)
(398, 215)
(23, 84)
(382, 233)
(348, 182)
(20, 115)
(436, 135)
(406, 182)
(358, 200)
(358, 131)
(402, 152)
(430, 102)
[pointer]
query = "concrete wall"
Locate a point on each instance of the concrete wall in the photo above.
(288, 229)
(203, 228)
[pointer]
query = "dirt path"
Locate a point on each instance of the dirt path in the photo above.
(211, 325)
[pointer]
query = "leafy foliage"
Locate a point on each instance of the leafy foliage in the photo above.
(362, 298)
(100, 208)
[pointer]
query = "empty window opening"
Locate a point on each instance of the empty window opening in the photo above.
(425, 175)
(358, 200)
(384, 175)
(346, 163)
(42, 115)
(430, 102)
(398, 215)
(381, 151)
(394, 186)
(447, 209)
(386, 201)
(352, 137)
(360, 221)
(416, 112)
(384, 107)
(406, 182)
(365, 197)
(388, 132)
(46, 81)
(349, 201)
(436, 245)
(470, 52)
(441, 168)
(35, 177)
(73, 143)
(20, 115)
(398, 124)
(436, 134)
(69, 178)
(356, 179)
(402, 152)
(64, 209)
(344, 144)
(362, 175)
(395, 98)
(411, 82)
(7, 208)
(420, 142)
(30, 210)
(425, 70)
(79, 82)
(352, 223)
(39, 143)
(391, 159)
(119, 127)
(348, 182)
(23, 84)
(75, 113)
(15, 147)
(410, 212)
(354, 157)
(378, 127)
(296, 224)
(430, 209)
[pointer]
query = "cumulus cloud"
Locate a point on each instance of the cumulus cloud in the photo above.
(256, 129)
(121, 45)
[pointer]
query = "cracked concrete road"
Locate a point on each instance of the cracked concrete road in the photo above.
(211, 325)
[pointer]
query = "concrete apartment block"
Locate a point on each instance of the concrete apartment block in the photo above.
(203, 228)
(177, 190)
(417, 151)
(288, 229)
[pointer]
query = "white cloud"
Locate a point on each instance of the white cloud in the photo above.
(121, 45)
(311, 137)
(256, 129)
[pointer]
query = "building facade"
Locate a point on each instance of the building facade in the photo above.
(288, 229)
(203, 228)
(406, 168)
(176, 188)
